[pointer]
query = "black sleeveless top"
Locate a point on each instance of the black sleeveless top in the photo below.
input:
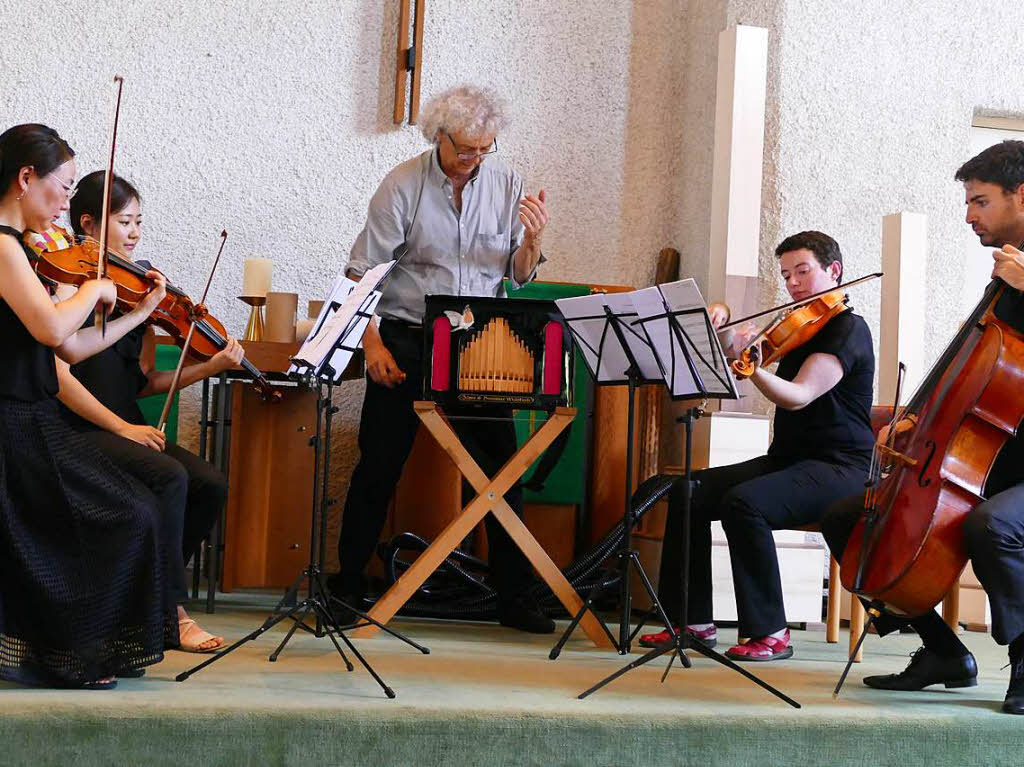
(28, 372)
(114, 375)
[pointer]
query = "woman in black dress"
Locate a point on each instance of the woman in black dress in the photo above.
(191, 491)
(82, 594)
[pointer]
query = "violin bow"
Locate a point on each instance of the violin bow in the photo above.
(162, 426)
(108, 181)
(802, 301)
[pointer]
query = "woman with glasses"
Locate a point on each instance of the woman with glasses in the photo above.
(468, 224)
(192, 492)
(82, 595)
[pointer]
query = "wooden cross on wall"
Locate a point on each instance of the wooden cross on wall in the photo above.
(410, 59)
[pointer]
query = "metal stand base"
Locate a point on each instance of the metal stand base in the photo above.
(317, 603)
(319, 598)
(681, 642)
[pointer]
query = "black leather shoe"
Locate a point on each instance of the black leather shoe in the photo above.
(925, 669)
(1014, 703)
(525, 615)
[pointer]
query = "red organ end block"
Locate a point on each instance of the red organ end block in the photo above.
(552, 359)
(441, 369)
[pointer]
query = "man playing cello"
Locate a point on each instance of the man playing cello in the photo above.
(993, 530)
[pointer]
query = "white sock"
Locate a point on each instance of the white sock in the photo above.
(780, 634)
(700, 626)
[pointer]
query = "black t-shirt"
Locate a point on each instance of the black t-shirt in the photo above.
(1006, 471)
(114, 375)
(835, 427)
(29, 372)
(1010, 308)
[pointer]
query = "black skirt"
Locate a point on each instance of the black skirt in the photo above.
(82, 593)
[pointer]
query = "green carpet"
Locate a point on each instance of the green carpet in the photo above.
(488, 696)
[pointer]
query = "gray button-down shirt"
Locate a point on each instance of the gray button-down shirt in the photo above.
(465, 254)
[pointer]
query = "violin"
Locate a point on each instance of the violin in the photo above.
(796, 324)
(174, 314)
(788, 332)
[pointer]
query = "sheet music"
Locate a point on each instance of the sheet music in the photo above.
(709, 373)
(339, 328)
(599, 344)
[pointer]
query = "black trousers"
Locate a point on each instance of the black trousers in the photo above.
(752, 499)
(387, 429)
(190, 491)
(994, 538)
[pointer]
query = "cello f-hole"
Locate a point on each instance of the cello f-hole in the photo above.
(927, 462)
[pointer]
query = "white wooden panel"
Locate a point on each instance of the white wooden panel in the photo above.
(801, 570)
(738, 154)
(904, 262)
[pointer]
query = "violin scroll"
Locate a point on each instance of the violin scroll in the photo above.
(748, 362)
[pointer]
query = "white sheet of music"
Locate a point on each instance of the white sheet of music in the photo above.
(704, 349)
(343, 326)
(599, 343)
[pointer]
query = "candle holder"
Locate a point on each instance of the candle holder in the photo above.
(254, 327)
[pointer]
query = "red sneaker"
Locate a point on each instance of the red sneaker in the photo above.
(708, 636)
(762, 649)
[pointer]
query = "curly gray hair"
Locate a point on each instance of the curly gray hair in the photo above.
(468, 109)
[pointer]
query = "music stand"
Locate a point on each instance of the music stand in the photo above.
(336, 338)
(678, 329)
(616, 353)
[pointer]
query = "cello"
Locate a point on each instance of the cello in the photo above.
(907, 549)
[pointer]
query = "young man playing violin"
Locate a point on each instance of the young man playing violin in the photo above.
(820, 452)
(994, 530)
(102, 390)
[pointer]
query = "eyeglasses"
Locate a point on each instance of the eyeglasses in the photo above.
(70, 191)
(471, 155)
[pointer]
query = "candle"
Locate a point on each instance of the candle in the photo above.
(256, 276)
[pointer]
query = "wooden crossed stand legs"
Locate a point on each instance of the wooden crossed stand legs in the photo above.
(490, 498)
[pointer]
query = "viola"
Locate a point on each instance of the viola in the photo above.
(794, 325)
(907, 549)
(789, 332)
(174, 314)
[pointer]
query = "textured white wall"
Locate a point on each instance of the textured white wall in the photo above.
(273, 119)
(875, 104)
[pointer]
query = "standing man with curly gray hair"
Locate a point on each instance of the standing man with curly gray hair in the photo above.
(468, 224)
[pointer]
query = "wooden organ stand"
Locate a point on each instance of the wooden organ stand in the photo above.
(494, 363)
(490, 498)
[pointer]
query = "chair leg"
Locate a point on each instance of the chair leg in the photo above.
(951, 607)
(856, 626)
(832, 613)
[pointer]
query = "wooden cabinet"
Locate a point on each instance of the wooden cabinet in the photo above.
(271, 488)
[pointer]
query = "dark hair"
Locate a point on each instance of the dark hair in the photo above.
(824, 248)
(88, 199)
(1001, 164)
(33, 145)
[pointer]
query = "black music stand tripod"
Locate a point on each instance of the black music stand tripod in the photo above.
(619, 334)
(318, 596)
(693, 366)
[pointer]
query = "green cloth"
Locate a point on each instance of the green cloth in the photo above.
(566, 483)
(151, 407)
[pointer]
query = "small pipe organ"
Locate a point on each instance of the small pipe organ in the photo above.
(495, 351)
